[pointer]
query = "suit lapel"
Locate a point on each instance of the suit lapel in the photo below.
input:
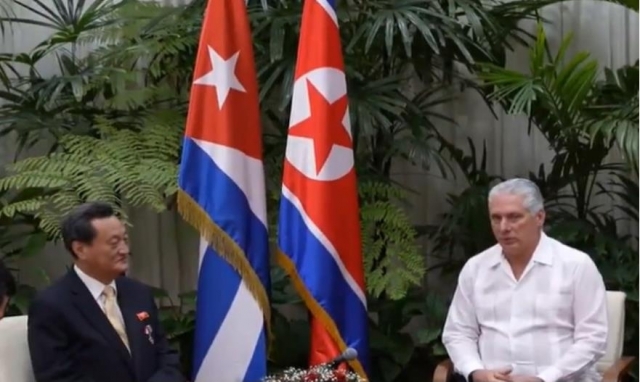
(89, 308)
(134, 327)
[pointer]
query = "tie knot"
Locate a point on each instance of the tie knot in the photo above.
(109, 291)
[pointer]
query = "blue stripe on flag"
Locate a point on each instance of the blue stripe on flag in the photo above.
(216, 291)
(225, 203)
(258, 366)
(323, 278)
(227, 206)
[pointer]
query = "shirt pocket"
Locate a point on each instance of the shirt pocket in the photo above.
(486, 309)
(554, 307)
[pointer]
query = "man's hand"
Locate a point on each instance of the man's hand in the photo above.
(517, 378)
(491, 375)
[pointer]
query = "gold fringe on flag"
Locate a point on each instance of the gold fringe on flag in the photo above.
(228, 249)
(314, 307)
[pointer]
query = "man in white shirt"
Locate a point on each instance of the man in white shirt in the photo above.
(529, 309)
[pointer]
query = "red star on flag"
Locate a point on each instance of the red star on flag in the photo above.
(324, 125)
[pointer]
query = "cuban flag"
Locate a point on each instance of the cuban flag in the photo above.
(319, 227)
(222, 194)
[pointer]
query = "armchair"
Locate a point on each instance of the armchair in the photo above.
(15, 362)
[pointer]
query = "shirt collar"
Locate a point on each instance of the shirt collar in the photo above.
(95, 287)
(542, 254)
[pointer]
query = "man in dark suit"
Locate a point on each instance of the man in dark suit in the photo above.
(94, 324)
(7, 288)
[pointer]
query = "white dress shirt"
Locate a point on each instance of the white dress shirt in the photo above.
(96, 288)
(552, 323)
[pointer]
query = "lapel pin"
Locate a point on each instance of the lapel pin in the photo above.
(142, 316)
(149, 332)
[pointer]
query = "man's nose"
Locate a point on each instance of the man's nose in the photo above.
(504, 225)
(124, 249)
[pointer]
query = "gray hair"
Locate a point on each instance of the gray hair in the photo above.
(532, 198)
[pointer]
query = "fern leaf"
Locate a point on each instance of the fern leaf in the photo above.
(393, 262)
(133, 167)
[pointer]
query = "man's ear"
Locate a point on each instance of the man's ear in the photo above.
(79, 249)
(540, 216)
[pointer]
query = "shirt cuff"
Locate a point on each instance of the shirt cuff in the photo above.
(469, 367)
(550, 374)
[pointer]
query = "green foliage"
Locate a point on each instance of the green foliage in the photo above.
(572, 109)
(19, 234)
(101, 86)
(396, 355)
(286, 352)
(614, 115)
(463, 230)
(178, 320)
(117, 166)
(631, 4)
(20, 238)
(393, 263)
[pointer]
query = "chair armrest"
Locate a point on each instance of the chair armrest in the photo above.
(443, 371)
(618, 370)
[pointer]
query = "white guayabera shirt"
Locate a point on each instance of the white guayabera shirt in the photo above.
(552, 323)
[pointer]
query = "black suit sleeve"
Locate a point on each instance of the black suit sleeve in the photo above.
(49, 345)
(168, 359)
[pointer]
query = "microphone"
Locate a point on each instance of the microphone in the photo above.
(349, 354)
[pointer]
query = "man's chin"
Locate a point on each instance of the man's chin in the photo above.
(122, 269)
(509, 246)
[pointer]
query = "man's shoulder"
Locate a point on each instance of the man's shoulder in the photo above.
(567, 254)
(56, 290)
(133, 285)
(486, 257)
(52, 298)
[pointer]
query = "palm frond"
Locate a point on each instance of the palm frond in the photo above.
(614, 114)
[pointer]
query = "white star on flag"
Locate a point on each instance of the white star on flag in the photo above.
(222, 76)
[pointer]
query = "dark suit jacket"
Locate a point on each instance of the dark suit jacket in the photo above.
(71, 340)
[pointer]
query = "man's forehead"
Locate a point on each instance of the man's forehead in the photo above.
(110, 225)
(506, 203)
